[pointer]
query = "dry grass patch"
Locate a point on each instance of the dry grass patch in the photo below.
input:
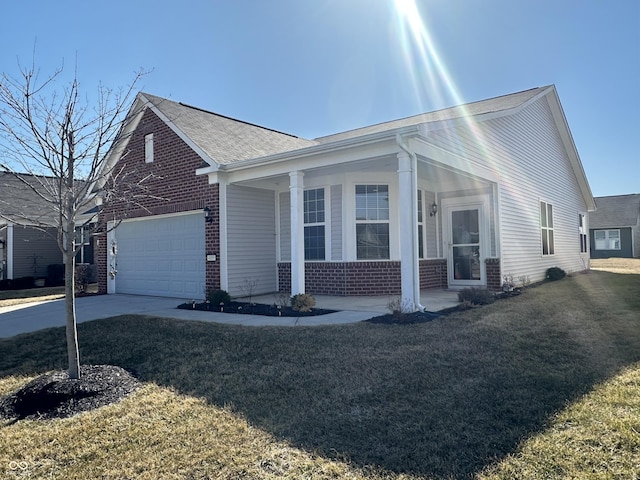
(597, 437)
(617, 265)
(157, 434)
(444, 399)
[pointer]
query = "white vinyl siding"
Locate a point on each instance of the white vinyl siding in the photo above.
(528, 169)
(251, 245)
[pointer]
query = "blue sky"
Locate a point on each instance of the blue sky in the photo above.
(316, 67)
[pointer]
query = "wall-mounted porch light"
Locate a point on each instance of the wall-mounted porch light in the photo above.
(207, 215)
(434, 209)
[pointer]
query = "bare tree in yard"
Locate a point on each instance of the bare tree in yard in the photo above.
(59, 139)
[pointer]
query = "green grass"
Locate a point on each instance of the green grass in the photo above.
(544, 385)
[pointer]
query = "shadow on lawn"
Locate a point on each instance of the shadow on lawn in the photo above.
(441, 399)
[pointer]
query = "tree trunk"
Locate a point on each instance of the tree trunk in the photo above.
(73, 354)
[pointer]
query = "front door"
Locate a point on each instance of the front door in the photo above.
(465, 247)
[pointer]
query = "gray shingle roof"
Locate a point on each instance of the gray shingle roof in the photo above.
(21, 204)
(491, 105)
(616, 211)
(224, 139)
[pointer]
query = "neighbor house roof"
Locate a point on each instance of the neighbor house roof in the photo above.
(616, 211)
(26, 205)
(225, 139)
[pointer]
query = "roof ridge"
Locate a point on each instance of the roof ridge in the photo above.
(235, 119)
(417, 115)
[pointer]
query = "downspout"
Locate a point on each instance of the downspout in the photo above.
(414, 216)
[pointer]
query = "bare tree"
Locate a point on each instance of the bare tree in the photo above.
(55, 141)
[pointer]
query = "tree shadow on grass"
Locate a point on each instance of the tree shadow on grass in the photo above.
(442, 399)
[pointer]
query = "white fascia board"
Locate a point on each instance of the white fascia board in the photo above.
(570, 147)
(456, 163)
(427, 127)
(317, 156)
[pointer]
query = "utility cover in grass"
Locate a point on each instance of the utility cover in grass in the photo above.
(55, 395)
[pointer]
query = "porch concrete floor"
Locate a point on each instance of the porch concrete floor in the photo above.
(433, 300)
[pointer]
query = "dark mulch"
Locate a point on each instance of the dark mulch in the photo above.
(406, 318)
(55, 395)
(254, 309)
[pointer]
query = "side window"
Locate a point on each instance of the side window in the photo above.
(420, 226)
(607, 239)
(546, 227)
(582, 229)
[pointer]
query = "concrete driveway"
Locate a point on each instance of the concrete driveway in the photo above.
(36, 316)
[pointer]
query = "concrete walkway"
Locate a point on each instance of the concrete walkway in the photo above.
(36, 316)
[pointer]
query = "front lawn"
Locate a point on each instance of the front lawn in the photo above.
(543, 385)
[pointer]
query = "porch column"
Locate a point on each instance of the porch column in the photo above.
(296, 191)
(408, 232)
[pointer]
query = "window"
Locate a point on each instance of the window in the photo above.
(607, 239)
(148, 148)
(83, 237)
(314, 244)
(372, 222)
(420, 226)
(546, 223)
(582, 228)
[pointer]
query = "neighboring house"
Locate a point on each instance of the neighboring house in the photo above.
(28, 236)
(614, 228)
(448, 199)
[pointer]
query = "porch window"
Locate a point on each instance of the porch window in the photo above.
(546, 223)
(607, 239)
(372, 222)
(582, 228)
(420, 226)
(314, 224)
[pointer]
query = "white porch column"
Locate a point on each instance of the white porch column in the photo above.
(296, 191)
(408, 233)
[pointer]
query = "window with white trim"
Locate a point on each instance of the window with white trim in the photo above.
(607, 239)
(582, 228)
(546, 224)
(314, 224)
(372, 222)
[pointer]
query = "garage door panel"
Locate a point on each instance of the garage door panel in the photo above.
(162, 257)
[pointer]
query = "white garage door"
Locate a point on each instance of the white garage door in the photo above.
(162, 257)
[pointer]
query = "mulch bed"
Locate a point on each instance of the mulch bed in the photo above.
(254, 309)
(55, 395)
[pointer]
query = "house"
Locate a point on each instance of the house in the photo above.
(449, 199)
(614, 228)
(28, 233)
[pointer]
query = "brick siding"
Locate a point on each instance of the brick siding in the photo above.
(361, 278)
(173, 187)
(494, 279)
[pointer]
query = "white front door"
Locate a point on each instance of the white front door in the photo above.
(465, 239)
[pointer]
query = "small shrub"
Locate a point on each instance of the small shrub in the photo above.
(555, 273)
(302, 302)
(82, 276)
(398, 307)
(216, 297)
(476, 296)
